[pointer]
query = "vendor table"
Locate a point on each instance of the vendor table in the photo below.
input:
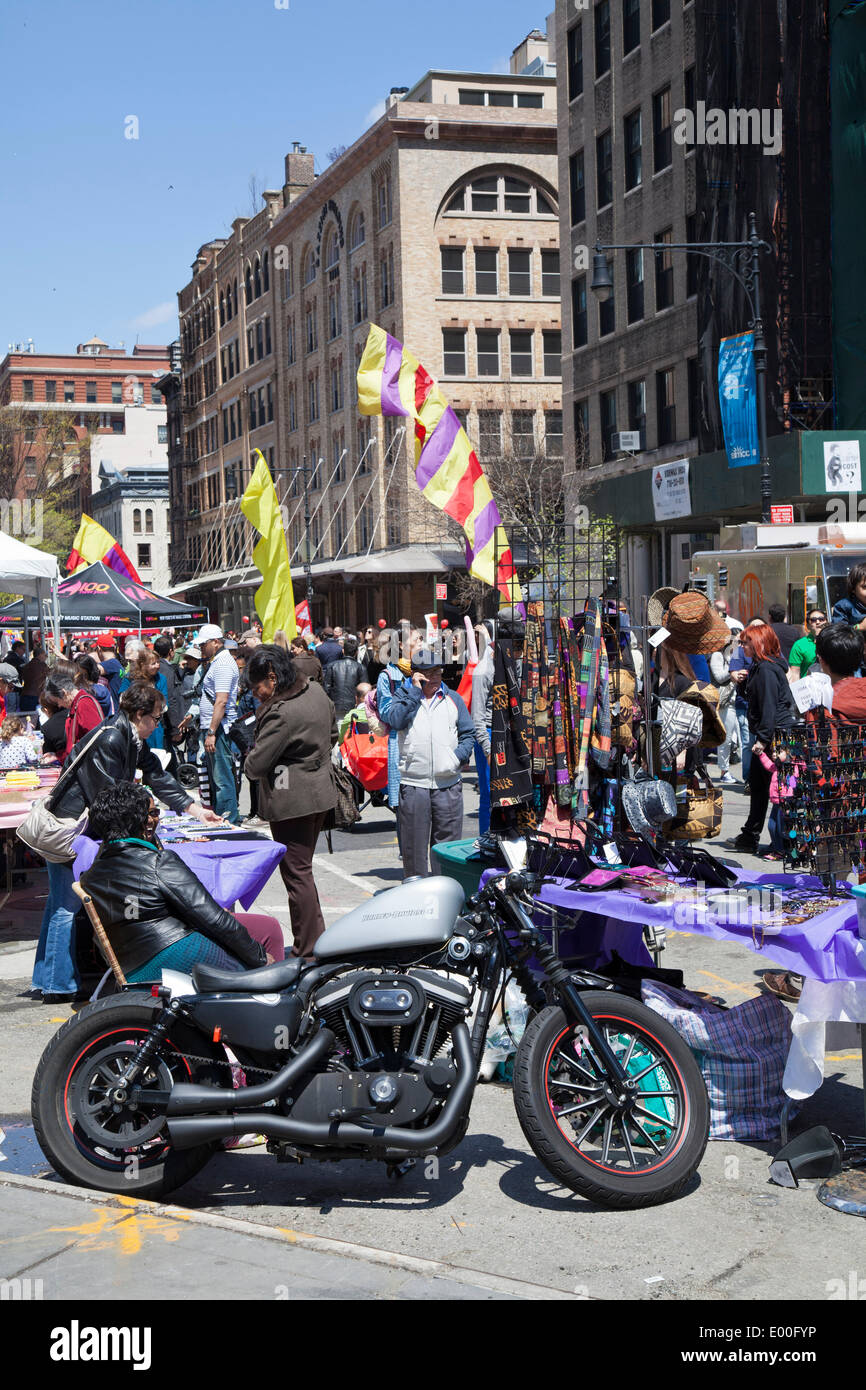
(231, 870)
(15, 806)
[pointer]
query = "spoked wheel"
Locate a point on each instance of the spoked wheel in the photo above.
(632, 1146)
(93, 1132)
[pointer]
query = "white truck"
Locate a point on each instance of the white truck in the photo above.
(799, 566)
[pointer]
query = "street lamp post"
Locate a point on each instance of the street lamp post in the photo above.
(742, 260)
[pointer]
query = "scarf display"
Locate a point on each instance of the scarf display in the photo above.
(510, 762)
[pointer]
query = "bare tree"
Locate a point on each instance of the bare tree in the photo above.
(336, 153)
(39, 454)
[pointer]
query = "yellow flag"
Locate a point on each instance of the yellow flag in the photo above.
(275, 600)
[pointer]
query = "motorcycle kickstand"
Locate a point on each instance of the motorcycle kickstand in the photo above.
(399, 1170)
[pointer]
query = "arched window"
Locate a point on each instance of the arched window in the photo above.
(235, 300)
(266, 272)
(248, 285)
(308, 267)
(136, 521)
(257, 279)
(502, 195)
(228, 303)
(148, 521)
(357, 230)
(331, 253)
(223, 309)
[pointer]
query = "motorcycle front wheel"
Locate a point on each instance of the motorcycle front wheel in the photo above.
(90, 1140)
(630, 1148)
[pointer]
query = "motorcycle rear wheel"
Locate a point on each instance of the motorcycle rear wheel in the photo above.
(635, 1154)
(89, 1142)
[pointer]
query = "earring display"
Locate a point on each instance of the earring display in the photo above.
(822, 794)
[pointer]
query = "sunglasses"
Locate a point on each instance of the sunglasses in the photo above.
(820, 621)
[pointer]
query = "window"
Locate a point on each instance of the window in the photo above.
(689, 89)
(338, 453)
(487, 343)
(521, 352)
(117, 425)
(452, 269)
(136, 521)
(552, 351)
(162, 434)
(30, 466)
(144, 557)
(288, 282)
(630, 25)
(454, 351)
(486, 271)
(581, 427)
(553, 434)
(222, 310)
(602, 37)
(490, 433)
(502, 195)
(257, 279)
(156, 394)
(519, 272)
(637, 409)
(574, 43)
(603, 170)
(386, 278)
(607, 408)
(267, 337)
(666, 415)
(661, 129)
(290, 341)
(607, 317)
(577, 188)
(308, 267)
(661, 12)
(313, 398)
(336, 386)
(365, 527)
(359, 290)
(27, 390)
(632, 132)
(523, 434)
(664, 271)
(254, 420)
(550, 274)
(269, 394)
(383, 200)
(69, 390)
(335, 313)
(693, 258)
(578, 312)
(357, 231)
(634, 284)
(293, 409)
(476, 96)
(148, 521)
(312, 329)
(694, 389)
(331, 254)
(51, 390)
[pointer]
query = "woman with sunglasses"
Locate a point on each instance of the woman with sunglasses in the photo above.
(803, 656)
(176, 923)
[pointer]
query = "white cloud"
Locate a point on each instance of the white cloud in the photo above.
(502, 65)
(159, 314)
(374, 114)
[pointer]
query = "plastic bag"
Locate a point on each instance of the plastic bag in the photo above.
(501, 1042)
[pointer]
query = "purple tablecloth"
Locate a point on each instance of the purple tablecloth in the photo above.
(230, 871)
(825, 947)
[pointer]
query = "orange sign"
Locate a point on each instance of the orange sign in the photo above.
(750, 598)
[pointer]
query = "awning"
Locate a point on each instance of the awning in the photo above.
(410, 559)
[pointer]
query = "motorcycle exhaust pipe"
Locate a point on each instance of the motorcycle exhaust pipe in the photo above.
(206, 1129)
(188, 1099)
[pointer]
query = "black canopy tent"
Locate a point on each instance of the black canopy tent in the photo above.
(97, 597)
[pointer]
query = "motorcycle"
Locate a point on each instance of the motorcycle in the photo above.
(372, 1051)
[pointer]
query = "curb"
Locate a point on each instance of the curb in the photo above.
(283, 1235)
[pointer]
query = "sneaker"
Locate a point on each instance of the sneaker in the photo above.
(745, 844)
(254, 822)
(728, 780)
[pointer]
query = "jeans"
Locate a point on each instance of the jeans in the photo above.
(747, 738)
(222, 775)
(759, 794)
(774, 825)
(729, 718)
(482, 763)
(54, 971)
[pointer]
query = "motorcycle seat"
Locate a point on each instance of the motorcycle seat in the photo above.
(264, 979)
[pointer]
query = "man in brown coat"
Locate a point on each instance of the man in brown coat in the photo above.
(291, 763)
(305, 659)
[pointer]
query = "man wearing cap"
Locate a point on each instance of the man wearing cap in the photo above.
(435, 739)
(110, 664)
(8, 681)
(217, 711)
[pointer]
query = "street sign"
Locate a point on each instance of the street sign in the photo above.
(441, 592)
(782, 515)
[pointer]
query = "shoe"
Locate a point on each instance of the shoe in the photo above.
(728, 780)
(254, 821)
(58, 998)
(781, 983)
(770, 854)
(745, 844)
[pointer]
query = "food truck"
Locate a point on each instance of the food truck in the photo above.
(800, 566)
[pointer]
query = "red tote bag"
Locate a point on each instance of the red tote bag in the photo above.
(366, 757)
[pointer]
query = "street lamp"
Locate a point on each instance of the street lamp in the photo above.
(742, 260)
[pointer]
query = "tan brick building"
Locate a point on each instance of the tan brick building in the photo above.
(441, 224)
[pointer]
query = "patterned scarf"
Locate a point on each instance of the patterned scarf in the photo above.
(594, 696)
(510, 775)
(535, 695)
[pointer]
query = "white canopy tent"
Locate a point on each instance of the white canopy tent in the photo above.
(26, 570)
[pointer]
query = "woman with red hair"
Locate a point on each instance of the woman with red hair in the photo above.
(770, 707)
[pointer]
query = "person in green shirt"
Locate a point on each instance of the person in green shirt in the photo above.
(803, 651)
(359, 713)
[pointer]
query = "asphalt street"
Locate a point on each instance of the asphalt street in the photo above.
(486, 1212)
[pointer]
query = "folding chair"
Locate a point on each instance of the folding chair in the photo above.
(102, 939)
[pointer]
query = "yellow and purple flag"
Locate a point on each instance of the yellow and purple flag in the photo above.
(93, 543)
(275, 601)
(392, 382)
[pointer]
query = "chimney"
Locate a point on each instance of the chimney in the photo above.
(299, 172)
(396, 94)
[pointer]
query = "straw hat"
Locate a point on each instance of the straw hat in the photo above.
(657, 605)
(694, 625)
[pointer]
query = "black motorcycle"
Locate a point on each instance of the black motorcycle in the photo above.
(372, 1052)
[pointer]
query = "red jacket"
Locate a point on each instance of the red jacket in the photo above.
(84, 714)
(849, 700)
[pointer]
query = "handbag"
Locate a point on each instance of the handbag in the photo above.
(699, 811)
(52, 836)
(345, 814)
(366, 757)
(706, 699)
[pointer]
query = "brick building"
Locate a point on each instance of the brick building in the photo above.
(111, 413)
(440, 223)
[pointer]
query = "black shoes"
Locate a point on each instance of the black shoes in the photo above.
(746, 844)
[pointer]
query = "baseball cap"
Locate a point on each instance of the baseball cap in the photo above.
(9, 674)
(194, 652)
(425, 660)
(230, 644)
(209, 633)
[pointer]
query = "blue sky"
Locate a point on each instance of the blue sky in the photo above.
(98, 231)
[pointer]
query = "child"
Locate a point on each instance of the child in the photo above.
(16, 750)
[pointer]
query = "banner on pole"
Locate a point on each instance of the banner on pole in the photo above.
(738, 399)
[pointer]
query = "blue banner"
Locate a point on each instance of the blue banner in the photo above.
(738, 399)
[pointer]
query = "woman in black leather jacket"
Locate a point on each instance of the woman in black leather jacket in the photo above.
(114, 750)
(156, 913)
